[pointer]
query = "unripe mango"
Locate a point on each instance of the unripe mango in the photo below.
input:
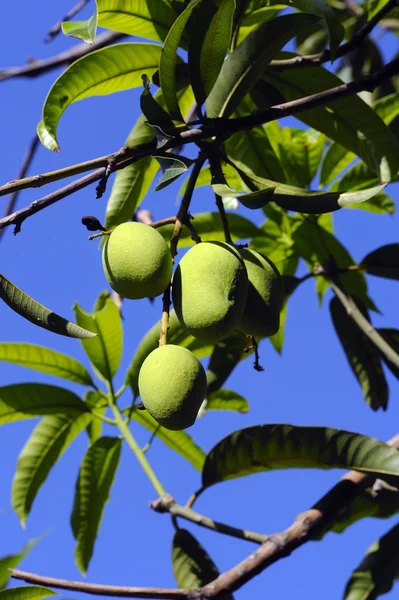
(265, 299)
(137, 261)
(172, 386)
(209, 290)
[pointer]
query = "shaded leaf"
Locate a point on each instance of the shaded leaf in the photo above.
(192, 566)
(93, 485)
(208, 47)
(26, 592)
(268, 447)
(12, 561)
(45, 360)
(104, 71)
(170, 58)
(224, 399)
(150, 19)
(50, 438)
(83, 30)
(336, 159)
(38, 314)
(252, 200)
(106, 350)
(383, 262)
(378, 570)
(362, 355)
(179, 441)
(333, 25)
(28, 400)
(225, 357)
(248, 61)
(177, 335)
(172, 167)
(391, 336)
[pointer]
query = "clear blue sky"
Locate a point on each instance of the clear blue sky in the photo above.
(311, 384)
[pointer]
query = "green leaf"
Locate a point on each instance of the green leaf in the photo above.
(248, 61)
(362, 355)
(192, 566)
(251, 200)
(383, 262)
(269, 447)
(12, 561)
(224, 399)
(83, 30)
(38, 314)
(170, 58)
(208, 47)
(348, 121)
(377, 572)
(225, 357)
(381, 204)
(179, 441)
(333, 25)
(26, 592)
(150, 19)
(105, 71)
(105, 352)
(28, 400)
(373, 6)
(207, 225)
(50, 438)
(387, 107)
(93, 485)
(296, 199)
(256, 18)
(177, 335)
(98, 403)
(336, 159)
(172, 166)
(45, 360)
(153, 111)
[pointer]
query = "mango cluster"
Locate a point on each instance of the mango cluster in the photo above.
(216, 289)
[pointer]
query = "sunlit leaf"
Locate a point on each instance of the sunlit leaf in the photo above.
(50, 438)
(224, 399)
(268, 447)
(362, 355)
(256, 18)
(28, 400)
(93, 485)
(83, 30)
(104, 71)
(106, 350)
(26, 592)
(336, 159)
(38, 314)
(45, 360)
(11, 561)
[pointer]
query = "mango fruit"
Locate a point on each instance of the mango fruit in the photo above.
(172, 386)
(209, 290)
(265, 299)
(137, 261)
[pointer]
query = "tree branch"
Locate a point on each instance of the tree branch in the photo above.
(315, 60)
(167, 504)
(56, 28)
(279, 545)
(33, 146)
(38, 67)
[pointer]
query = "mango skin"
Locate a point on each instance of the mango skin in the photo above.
(172, 386)
(209, 290)
(137, 261)
(265, 299)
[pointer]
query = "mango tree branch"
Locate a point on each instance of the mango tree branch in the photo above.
(314, 60)
(38, 67)
(276, 546)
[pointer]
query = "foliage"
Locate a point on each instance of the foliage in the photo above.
(216, 75)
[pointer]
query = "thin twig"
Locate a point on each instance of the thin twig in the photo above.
(56, 28)
(33, 146)
(167, 504)
(38, 67)
(314, 60)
